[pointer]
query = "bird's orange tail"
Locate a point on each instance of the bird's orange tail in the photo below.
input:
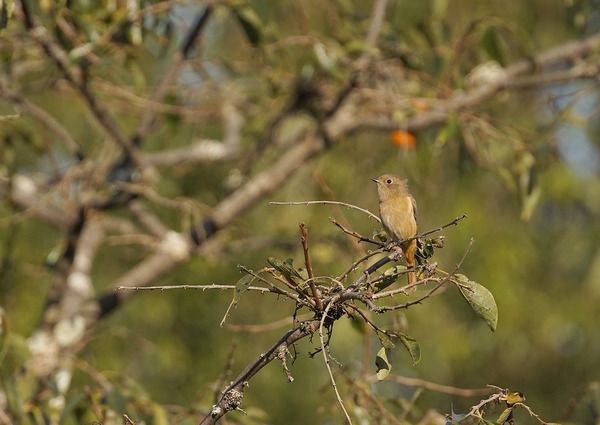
(409, 252)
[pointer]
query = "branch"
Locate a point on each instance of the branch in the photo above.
(325, 353)
(344, 204)
(461, 101)
(311, 277)
(233, 394)
(148, 116)
(75, 76)
(204, 151)
(356, 235)
(432, 386)
(381, 309)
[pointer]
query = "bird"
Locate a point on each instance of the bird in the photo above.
(398, 213)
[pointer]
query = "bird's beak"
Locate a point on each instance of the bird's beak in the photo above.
(375, 180)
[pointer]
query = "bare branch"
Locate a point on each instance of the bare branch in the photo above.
(432, 386)
(311, 277)
(239, 384)
(344, 204)
(348, 115)
(148, 116)
(377, 18)
(325, 352)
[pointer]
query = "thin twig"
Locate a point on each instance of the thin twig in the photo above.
(403, 289)
(377, 18)
(296, 289)
(367, 320)
(381, 309)
(267, 327)
(357, 235)
(226, 370)
(369, 213)
(311, 277)
(432, 386)
(330, 196)
(200, 287)
(148, 115)
(531, 412)
(241, 381)
(355, 264)
(327, 363)
(439, 229)
(482, 403)
(271, 289)
(410, 404)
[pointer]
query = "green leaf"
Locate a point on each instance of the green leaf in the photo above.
(388, 277)
(385, 340)
(505, 415)
(527, 180)
(250, 22)
(384, 366)
(412, 346)
(491, 45)
(480, 299)
(241, 287)
(3, 15)
(296, 277)
(380, 235)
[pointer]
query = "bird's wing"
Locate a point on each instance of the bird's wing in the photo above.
(414, 206)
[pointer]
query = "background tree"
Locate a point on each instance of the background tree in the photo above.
(141, 145)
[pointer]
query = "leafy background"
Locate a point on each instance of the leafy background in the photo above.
(535, 247)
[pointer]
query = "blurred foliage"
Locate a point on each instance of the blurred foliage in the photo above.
(531, 195)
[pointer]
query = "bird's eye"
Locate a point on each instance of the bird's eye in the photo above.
(389, 181)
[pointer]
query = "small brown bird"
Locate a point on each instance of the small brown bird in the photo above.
(398, 212)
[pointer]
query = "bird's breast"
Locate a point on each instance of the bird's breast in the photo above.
(398, 218)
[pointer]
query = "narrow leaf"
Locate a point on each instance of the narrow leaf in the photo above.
(3, 15)
(385, 340)
(286, 268)
(480, 299)
(505, 415)
(491, 45)
(241, 287)
(388, 277)
(250, 23)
